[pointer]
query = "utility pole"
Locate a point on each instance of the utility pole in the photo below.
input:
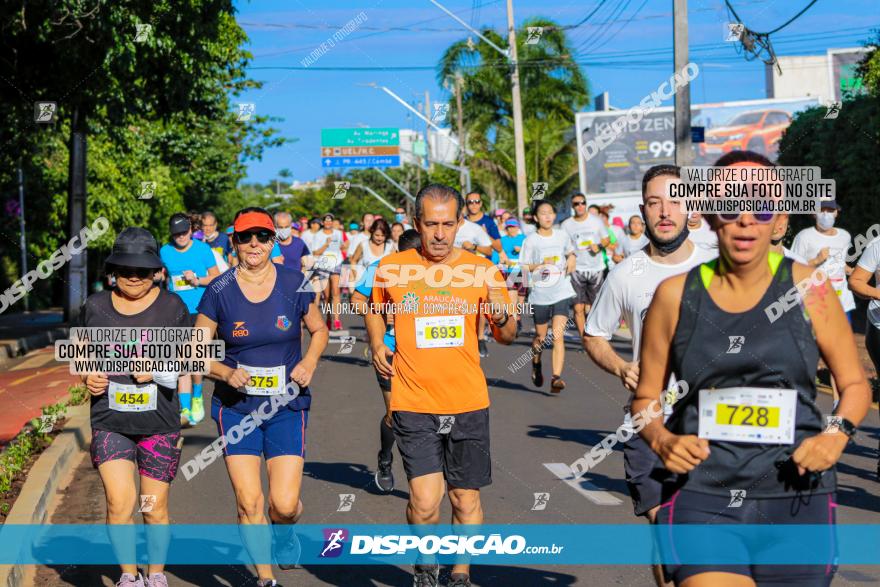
(460, 125)
(428, 114)
(77, 269)
(683, 151)
(23, 239)
(519, 144)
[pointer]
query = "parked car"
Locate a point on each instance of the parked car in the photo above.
(758, 130)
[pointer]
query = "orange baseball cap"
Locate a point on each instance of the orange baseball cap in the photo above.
(250, 220)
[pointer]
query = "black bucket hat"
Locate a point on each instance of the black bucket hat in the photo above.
(135, 247)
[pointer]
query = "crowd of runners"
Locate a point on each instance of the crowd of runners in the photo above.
(691, 291)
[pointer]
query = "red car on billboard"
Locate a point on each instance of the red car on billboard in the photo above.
(757, 130)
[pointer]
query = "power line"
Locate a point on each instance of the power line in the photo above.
(623, 26)
(780, 27)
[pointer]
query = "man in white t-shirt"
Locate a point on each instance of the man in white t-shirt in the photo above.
(586, 233)
(627, 293)
(700, 232)
(472, 238)
(826, 246)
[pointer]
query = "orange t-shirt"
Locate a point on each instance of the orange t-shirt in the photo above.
(437, 362)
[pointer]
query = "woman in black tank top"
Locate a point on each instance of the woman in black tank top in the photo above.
(746, 339)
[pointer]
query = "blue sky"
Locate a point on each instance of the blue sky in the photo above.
(283, 33)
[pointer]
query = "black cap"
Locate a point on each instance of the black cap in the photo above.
(830, 204)
(178, 224)
(135, 247)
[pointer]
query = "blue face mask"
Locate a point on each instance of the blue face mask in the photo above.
(399, 217)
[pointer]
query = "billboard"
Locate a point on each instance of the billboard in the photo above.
(613, 175)
(842, 64)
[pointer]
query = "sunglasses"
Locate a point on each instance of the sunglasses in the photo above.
(263, 236)
(578, 204)
(474, 201)
(760, 217)
(139, 272)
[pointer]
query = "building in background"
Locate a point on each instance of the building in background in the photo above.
(825, 77)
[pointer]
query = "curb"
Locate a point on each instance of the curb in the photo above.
(35, 499)
(10, 348)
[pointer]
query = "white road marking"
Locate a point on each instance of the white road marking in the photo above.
(582, 486)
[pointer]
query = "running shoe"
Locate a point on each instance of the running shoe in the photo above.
(129, 580)
(556, 384)
(198, 410)
(425, 575)
(156, 580)
(186, 418)
(337, 325)
(459, 580)
(267, 583)
(384, 478)
(286, 546)
(537, 375)
(484, 350)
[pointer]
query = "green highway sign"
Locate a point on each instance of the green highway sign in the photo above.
(360, 137)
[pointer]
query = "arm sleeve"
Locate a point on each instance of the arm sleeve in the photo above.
(869, 259)
(604, 316)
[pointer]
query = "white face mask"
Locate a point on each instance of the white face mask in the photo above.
(283, 233)
(825, 220)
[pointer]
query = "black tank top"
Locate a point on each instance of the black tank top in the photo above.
(712, 348)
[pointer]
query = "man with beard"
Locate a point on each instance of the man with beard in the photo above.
(626, 294)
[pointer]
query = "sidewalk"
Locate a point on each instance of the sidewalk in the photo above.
(27, 384)
(22, 332)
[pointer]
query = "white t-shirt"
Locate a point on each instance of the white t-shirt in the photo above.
(356, 240)
(527, 228)
(333, 254)
(591, 230)
(473, 233)
(870, 261)
(629, 246)
(810, 241)
(367, 256)
(793, 256)
(704, 234)
(549, 283)
(309, 237)
(627, 293)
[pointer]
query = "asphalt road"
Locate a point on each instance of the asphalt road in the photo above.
(530, 427)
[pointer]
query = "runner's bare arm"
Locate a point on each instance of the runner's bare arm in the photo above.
(356, 256)
(360, 303)
(498, 298)
(486, 250)
(838, 349)
(603, 354)
(305, 369)
(212, 273)
(234, 377)
(376, 331)
(680, 453)
(570, 264)
(858, 283)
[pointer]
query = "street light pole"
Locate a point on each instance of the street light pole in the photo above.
(461, 138)
(519, 143)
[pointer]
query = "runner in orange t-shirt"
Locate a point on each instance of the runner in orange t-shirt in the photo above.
(439, 394)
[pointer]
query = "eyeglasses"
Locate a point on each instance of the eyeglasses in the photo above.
(760, 217)
(583, 203)
(263, 236)
(129, 272)
(474, 202)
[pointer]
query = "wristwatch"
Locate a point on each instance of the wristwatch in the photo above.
(503, 321)
(840, 424)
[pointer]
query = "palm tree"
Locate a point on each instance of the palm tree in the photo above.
(553, 89)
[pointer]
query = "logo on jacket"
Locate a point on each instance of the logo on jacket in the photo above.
(282, 323)
(238, 329)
